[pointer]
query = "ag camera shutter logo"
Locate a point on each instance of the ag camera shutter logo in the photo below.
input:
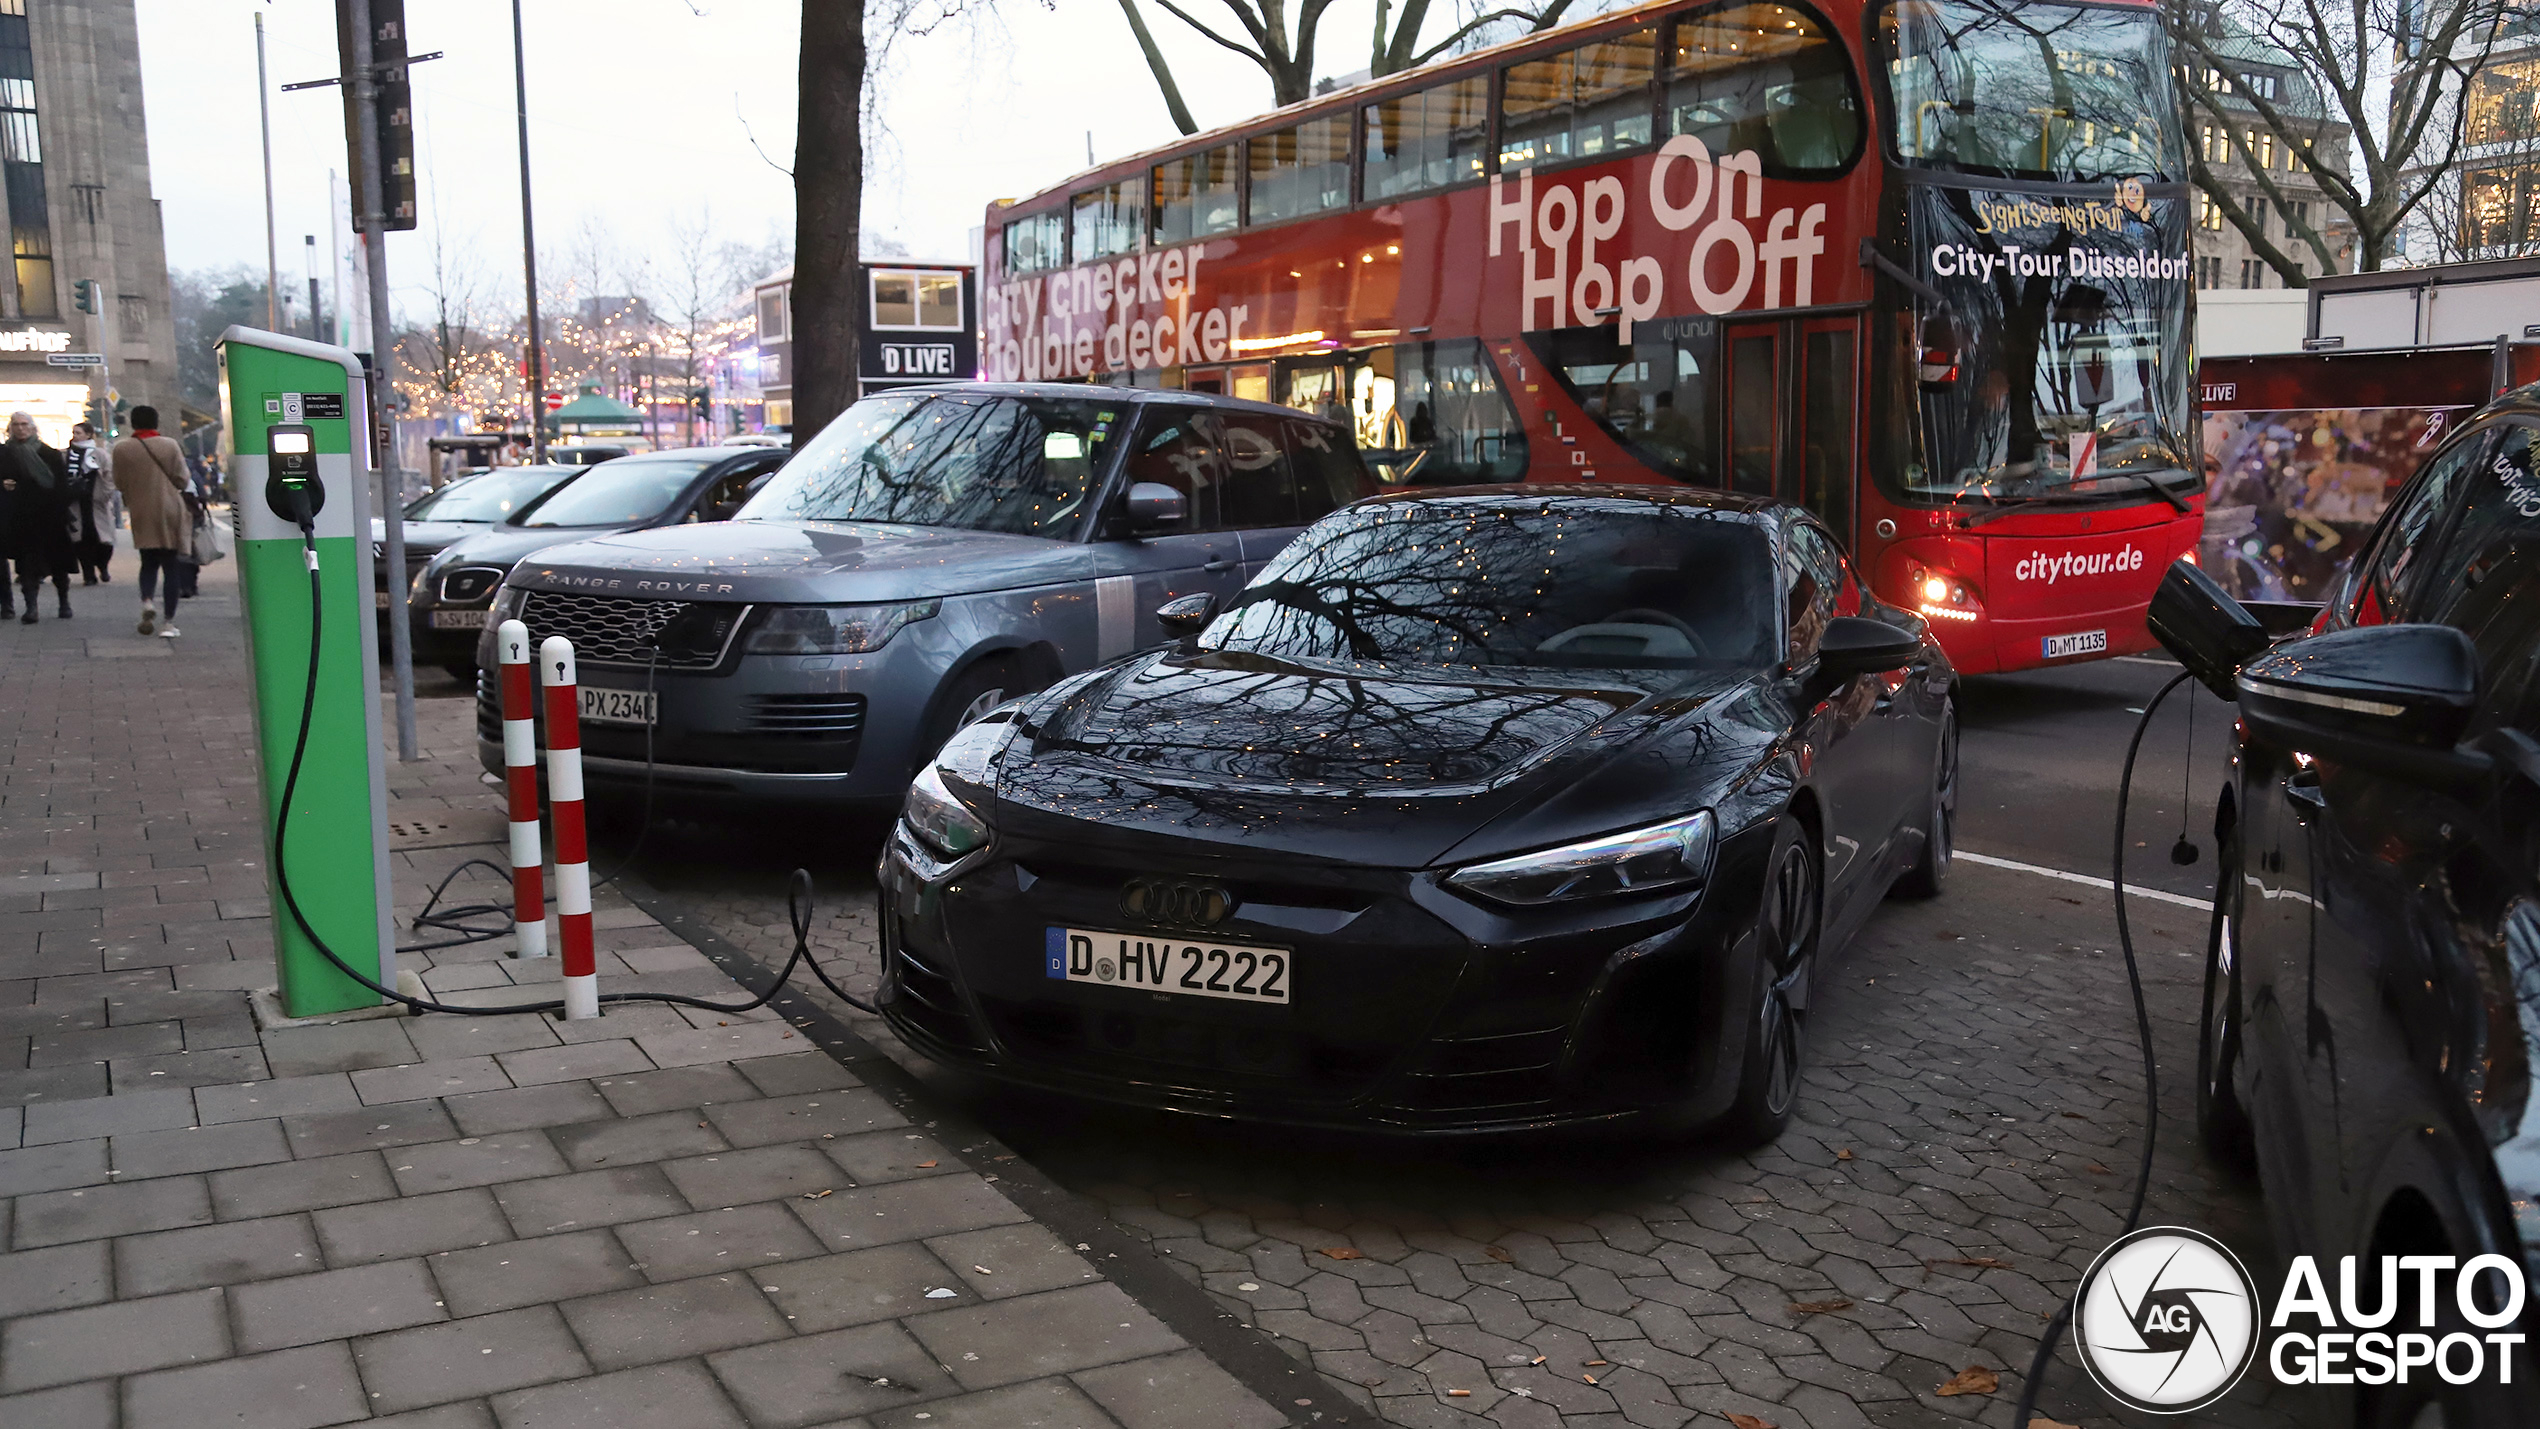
(2167, 1320)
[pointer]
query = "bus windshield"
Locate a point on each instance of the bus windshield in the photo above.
(2031, 91)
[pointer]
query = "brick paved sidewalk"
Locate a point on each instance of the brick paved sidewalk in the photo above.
(665, 1217)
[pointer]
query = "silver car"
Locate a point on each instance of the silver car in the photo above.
(933, 553)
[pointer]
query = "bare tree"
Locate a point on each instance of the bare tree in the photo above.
(1284, 49)
(2393, 71)
(693, 288)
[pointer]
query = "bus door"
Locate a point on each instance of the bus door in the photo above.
(1755, 407)
(1793, 395)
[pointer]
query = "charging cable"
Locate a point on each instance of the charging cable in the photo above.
(2143, 1028)
(798, 893)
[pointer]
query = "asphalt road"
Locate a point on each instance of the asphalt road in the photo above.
(1968, 1136)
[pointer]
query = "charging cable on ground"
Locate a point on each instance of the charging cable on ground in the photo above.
(798, 893)
(2143, 1028)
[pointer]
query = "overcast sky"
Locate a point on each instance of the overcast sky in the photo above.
(643, 110)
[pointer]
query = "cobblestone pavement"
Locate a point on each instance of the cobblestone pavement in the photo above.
(1967, 1144)
(667, 1217)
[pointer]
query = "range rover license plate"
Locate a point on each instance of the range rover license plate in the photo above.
(603, 706)
(1187, 966)
(2080, 642)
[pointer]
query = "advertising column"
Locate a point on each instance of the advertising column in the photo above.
(329, 850)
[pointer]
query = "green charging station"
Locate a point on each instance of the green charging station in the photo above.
(293, 441)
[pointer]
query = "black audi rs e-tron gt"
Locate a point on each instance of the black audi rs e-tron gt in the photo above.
(1475, 810)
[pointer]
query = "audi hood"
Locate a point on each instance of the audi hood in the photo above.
(1378, 767)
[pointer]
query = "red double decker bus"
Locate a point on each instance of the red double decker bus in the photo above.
(1921, 265)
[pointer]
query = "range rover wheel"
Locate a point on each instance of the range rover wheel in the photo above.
(974, 692)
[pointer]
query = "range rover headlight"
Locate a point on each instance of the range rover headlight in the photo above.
(1675, 854)
(832, 629)
(938, 818)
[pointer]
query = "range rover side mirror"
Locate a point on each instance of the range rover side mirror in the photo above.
(1152, 507)
(2393, 699)
(1187, 616)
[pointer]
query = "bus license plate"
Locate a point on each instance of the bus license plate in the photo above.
(460, 619)
(601, 706)
(1185, 966)
(2080, 642)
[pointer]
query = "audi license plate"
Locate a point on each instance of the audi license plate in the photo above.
(460, 619)
(2080, 642)
(1186, 966)
(601, 706)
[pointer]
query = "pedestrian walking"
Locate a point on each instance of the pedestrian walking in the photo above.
(149, 471)
(35, 532)
(96, 510)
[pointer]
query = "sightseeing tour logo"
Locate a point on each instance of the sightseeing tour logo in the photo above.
(2169, 1320)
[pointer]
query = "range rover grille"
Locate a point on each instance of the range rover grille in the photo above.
(610, 630)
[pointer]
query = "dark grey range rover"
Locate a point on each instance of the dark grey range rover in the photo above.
(930, 555)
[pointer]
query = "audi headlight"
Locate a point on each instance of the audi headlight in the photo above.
(1670, 855)
(938, 818)
(833, 629)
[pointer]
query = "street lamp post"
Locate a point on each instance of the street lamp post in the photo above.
(374, 201)
(529, 255)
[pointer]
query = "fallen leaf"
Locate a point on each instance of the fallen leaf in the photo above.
(1843, 1153)
(1343, 1252)
(1819, 1307)
(1495, 1253)
(2099, 1170)
(1749, 1421)
(925, 1165)
(1974, 1379)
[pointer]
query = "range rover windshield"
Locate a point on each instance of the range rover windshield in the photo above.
(2030, 91)
(1025, 466)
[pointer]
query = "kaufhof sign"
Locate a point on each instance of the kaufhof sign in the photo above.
(34, 340)
(2168, 1321)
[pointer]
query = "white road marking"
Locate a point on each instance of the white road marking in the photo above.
(2144, 660)
(2042, 871)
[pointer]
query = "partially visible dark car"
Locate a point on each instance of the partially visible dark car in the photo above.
(2371, 1033)
(458, 510)
(586, 455)
(454, 591)
(1475, 810)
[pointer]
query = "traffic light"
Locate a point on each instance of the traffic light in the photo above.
(84, 295)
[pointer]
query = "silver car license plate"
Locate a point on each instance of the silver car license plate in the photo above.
(603, 706)
(460, 619)
(2080, 642)
(1185, 966)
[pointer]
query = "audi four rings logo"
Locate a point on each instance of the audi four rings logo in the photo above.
(2168, 1320)
(1191, 903)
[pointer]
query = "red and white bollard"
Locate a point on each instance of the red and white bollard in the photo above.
(520, 782)
(564, 803)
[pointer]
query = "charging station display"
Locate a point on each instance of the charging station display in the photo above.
(300, 469)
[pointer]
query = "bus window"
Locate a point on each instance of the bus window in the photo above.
(1754, 412)
(2031, 91)
(1301, 170)
(1826, 411)
(1034, 243)
(1655, 396)
(1450, 422)
(1767, 78)
(1578, 104)
(1195, 195)
(1427, 140)
(1250, 383)
(1106, 219)
(1318, 390)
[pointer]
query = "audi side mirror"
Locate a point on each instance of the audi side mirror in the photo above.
(1187, 616)
(1858, 645)
(2393, 699)
(1151, 507)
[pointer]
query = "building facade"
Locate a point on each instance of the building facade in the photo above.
(84, 228)
(2239, 148)
(2487, 205)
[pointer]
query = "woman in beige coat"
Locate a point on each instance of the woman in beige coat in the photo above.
(150, 474)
